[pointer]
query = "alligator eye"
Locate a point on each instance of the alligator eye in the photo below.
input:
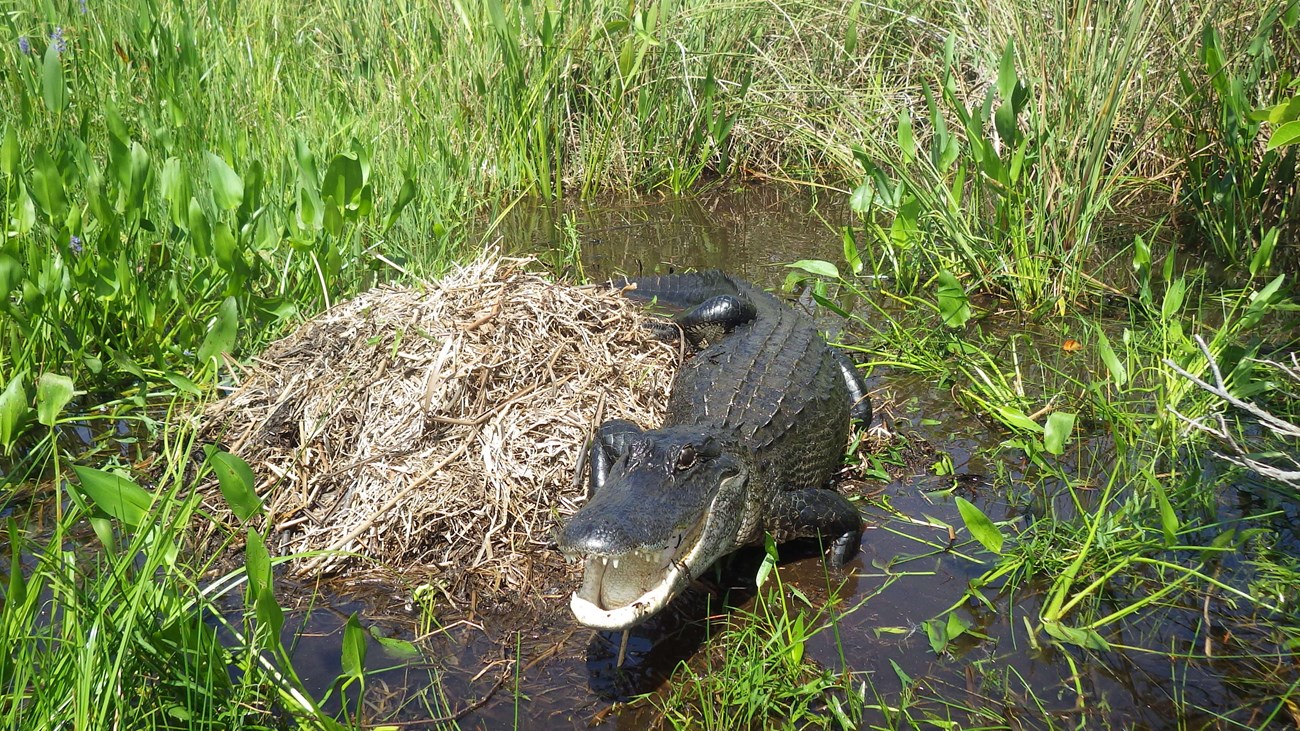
(686, 458)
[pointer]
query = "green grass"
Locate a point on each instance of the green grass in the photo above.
(108, 624)
(181, 183)
(756, 675)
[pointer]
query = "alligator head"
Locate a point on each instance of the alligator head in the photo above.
(676, 501)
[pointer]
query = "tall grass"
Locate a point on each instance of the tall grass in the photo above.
(183, 181)
(1012, 172)
(107, 624)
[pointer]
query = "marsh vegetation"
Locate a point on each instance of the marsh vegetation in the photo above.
(1037, 224)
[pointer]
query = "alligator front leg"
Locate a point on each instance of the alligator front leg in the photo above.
(611, 443)
(817, 512)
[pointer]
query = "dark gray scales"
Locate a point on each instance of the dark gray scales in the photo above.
(755, 429)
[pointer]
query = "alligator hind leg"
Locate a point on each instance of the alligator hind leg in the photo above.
(611, 443)
(815, 512)
(860, 402)
(708, 321)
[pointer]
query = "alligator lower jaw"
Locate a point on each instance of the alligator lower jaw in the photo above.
(640, 609)
(623, 591)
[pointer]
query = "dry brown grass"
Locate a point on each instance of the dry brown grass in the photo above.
(437, 430)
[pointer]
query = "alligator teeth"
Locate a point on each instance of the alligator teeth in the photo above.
(614, 562)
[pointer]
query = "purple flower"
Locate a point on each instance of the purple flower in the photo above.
(24, 45)
(75, 244)
(56, 40)
(83, 7)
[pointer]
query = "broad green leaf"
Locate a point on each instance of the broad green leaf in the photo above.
(1262, 301)
(935, 630)
(53, 392)
(236, 481)
(979, 525)
(1263, 258)
(343, 180)
(221, 334)
(394, 647)
(1016, 419)
(404, 198)
(14, 410)
(24, 211)
(851, 255)
(903, 677)
(175, 187)
(1286, 134)
(1004, 121)
(183, 384)
(47, 186)
(818, 267)
(226, 249)
(53, 88)
(17, 590)
(125, 363)
(860, 200)
(769, 560)
(354, 649)
(257, 564)
(1007, 72)
(1169, 524)
(1082, 637)
(103, 528)
(307, 174)
(1057, 431)
(115, 124)
(1173, 301)
(906, 140)
(1279, 114)
(9, 157)
(227, 187)
(956, 626)
(1112, 362)
(830, 305)
(11, 275)
(200, 230)
(116, 495)
(796, 638)
(269, 613)
(953, 304)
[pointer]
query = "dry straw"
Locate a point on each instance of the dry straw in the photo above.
(437, 430)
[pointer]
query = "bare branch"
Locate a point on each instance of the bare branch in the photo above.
(1218, 428)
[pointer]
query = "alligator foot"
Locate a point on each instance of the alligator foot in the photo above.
(611, 443)
(817, 512)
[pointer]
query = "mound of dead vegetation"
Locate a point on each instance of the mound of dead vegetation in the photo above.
(437, 430)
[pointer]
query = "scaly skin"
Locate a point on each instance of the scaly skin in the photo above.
(755, 428)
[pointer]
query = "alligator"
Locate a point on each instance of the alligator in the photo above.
(756, 426)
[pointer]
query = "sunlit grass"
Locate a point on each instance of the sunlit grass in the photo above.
(183, 182)
(108, 625)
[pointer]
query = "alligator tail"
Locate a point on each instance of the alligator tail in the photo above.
(683, 291)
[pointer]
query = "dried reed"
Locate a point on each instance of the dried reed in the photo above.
(437, 431)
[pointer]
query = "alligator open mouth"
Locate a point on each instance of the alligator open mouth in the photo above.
(623, 590)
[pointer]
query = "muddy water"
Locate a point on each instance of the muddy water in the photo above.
(554, 674)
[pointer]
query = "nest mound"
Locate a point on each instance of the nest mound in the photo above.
(437, 430)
